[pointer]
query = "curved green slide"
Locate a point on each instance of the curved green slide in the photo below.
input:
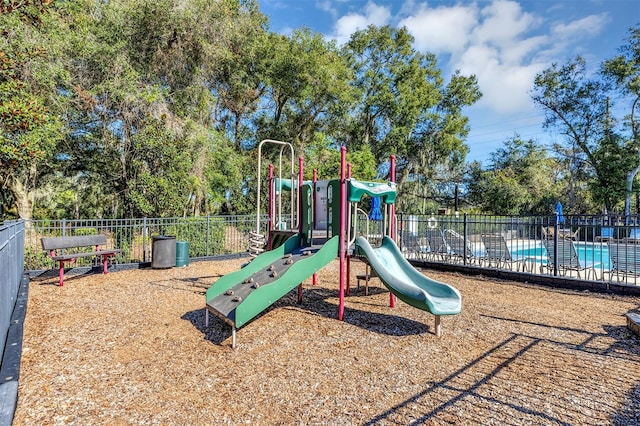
(407, 283)
(241, 295)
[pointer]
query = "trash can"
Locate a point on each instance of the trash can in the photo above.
(163, 252)
(182, 253)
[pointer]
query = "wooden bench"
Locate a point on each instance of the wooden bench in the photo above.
(53, 244)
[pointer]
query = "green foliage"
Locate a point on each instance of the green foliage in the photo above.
(133, 108)
(36, 258)
(624, 72)
(205, 238)
(609, 187)
(579, 105)
(30, 129)
(85, 231)
(521, 180)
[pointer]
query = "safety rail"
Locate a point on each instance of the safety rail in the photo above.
(208, 236)
(13, 301)
(585, 247)
(11, 270)
(602, 248)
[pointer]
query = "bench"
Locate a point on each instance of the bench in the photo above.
(53, 244)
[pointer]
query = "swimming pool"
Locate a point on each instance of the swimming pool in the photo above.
(590, 254)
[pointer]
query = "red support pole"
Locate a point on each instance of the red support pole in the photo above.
(315, 182)
(341, 248)
(61, 274)
(392, 225)
(315, 279)
(348, 275)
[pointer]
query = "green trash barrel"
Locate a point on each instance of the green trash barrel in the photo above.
(182, 253)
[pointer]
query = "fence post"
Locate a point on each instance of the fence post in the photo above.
(64, 228)
(144, 239)
(401, 230)
(208, 233)
(464, 239)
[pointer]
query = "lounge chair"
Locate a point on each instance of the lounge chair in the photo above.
(498, 253)
(634, 236)
(459, 248)
(625, 259)
(548, 233)
(606, 234)
(437, 245)
(412, 247)
(568, 259)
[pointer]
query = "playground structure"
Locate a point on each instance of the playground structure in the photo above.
(321, 226)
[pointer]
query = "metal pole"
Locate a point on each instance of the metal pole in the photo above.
(341, 248)
(144, 239)
(392, 224)
(555, 245)
(300, 180)
(208, 234)
(271, 201)
(315, 200)
(464, 239)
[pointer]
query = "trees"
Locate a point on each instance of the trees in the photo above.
(573, 105)
(129, 108)
(308, 90)
(405, 106)
(579, 106)
(29, 123)
(624, 71)
(522, 179)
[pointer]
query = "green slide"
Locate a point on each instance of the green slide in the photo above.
(241, 295)
(407, 283)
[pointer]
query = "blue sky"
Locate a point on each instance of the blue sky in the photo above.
(504, 43)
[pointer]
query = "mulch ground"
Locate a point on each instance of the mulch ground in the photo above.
(131, 347)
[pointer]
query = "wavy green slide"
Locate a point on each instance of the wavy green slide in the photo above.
(407, 283)
(239, 296)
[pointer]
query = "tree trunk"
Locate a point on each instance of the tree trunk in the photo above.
(23, 198)
(627, 199)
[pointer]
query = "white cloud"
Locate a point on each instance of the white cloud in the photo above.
(327, 6)
(588, 26)
(502, 22)
(441, 30)
(502, 44)
(348, 24)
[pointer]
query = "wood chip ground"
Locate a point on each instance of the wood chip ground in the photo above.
(131, 348)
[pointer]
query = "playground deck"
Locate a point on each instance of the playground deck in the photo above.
(131, 347)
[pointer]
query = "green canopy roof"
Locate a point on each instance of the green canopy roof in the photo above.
(385, 190)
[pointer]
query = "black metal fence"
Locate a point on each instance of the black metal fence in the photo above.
(587, 247)
(206, 236)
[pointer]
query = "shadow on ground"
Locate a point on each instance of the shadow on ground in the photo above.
(315, 301)
(473, 391)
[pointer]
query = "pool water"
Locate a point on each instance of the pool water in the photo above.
(588, 253)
